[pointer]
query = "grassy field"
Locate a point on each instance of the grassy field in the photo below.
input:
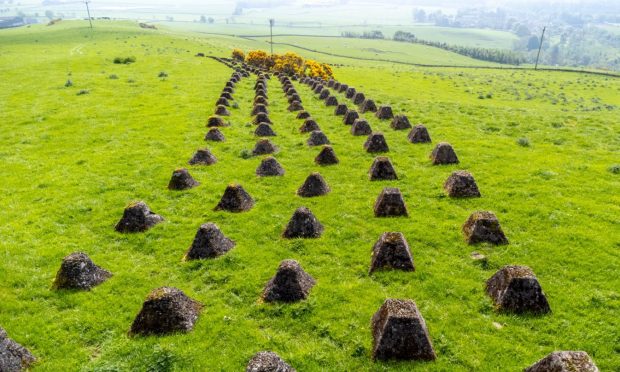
(71, 163)
(378, 49)
(457, 36)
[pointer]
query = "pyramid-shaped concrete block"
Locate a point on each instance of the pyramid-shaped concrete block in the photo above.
(137, 217)
(182, 180)
(350, 116)
(515, 289)
(315, 185)
(259, 108)
(261, 118)
(461, 184)
(443, 153)
(290, 284)
(484, 227)
(340, 110)
(216, 121)
(269, 167)
(360, 127)
(399, 332)
(215, 135)
(368, 106)
(235, 199)
(358, 98)
(384, 113)
(13, 356)
(376, 143)
(264, 130)
(264, 147)
(419, 134)
(349, 92)
(166, 310)
(564, 361)
(382, 169)
(295, 106)
(203, 157)
(221, 110)
(209, 242)
(391, 251)
(303, 224)
(303, 115)
(78, 271)
(390, 203)
(222, 102)
(267, 361)
(327, 156)
(308, 126)
(260, 100)
(331, 101)
(400, 122)
(317, 138)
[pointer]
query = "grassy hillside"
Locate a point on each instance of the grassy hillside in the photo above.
(71, 163)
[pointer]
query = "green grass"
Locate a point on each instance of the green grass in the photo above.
(376, 49)
(71, 163)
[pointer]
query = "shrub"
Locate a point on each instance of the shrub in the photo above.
(238, 54)
(124, 60)
(113, 77)
(69, 83)
(523, 142)
(82, 92)
(245, 154)
(160, 360)
(162, 74)
(258, 58)
(615, 169)
(289, 64)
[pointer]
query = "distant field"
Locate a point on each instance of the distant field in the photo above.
(614, 29)
(457, 36)
(542, 146)
(381, 49)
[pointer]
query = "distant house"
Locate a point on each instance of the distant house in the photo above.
(7, 22)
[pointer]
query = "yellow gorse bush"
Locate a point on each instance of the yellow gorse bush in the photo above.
(289, 63)
(238, 55)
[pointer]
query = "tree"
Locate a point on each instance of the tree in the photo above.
(211, 20)
(555, 55)
(419, 16)
(533, 42)
(522, 30)
(203, 19)
(49, 14)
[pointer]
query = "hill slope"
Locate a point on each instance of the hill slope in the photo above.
(73, 162)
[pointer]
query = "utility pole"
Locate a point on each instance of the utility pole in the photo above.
(271, 22)
(88, 11)
(540, 47)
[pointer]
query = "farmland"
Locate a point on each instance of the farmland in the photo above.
(543, 147)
